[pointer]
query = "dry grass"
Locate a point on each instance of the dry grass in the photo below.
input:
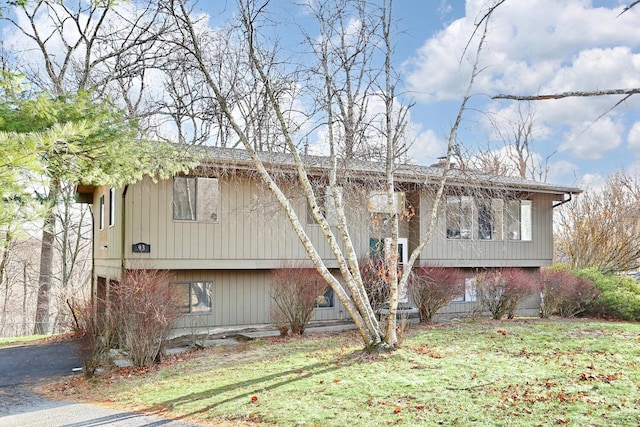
(525, 373)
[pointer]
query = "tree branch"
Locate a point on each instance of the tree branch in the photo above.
(545, 97)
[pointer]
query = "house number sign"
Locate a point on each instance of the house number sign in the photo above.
(141, 248)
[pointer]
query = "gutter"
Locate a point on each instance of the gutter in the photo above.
(563, 202)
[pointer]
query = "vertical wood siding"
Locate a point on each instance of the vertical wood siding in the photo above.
(251, 226)
(240, 297)
(478, 253)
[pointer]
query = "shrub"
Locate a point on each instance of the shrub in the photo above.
(431, 288)
(295, 292)
(143, 309)
(520, 285)
(565, 294)
(136, 318)
(375, 281)
(500, 291)
(618, 298)
(90, 330)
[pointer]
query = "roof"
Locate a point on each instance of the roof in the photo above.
(406, 173)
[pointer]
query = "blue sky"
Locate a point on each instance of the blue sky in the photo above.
(533, 46)
(536, 46)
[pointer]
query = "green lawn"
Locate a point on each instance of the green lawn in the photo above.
(11, 341)
(511, 373)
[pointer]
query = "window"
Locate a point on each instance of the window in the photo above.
(326, 299)
(112, 207)
(469, 291)
(459, 217)
(490, 212)
(101, 213)
(194, 297)
(518, 219)
(488, 219)
(195, 199)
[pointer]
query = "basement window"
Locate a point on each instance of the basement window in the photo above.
(194, 297)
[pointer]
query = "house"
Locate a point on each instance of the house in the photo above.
(220, 231)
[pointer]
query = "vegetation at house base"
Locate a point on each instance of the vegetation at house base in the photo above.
(564, 293)
(295, 292)
(500, 291)
(432, 288)
(617, 297)
(137, 319)
(525, 373)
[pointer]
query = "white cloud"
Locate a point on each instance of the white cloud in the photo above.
(592, 181)
(592, 140)
(427, 147)
(531, 46)
(634, 138)
(562, 172)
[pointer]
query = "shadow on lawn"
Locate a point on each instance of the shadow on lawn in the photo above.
(255, 386)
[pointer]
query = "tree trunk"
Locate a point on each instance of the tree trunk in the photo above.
(3, 267)
(45, 276)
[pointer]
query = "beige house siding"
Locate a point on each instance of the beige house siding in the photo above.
(446, 252)
(252, 235)
(240, 298)
(251, 232)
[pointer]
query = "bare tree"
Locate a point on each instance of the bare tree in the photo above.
(75, 46)
(602, 227)
(347, 81)
(513, 153)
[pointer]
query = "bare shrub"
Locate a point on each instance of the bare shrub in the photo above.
(519, 285)
(564, 294)
(295, 292)
(500, 291)
(375, 281)
(90, 330)
(144, 308)
(431, 288)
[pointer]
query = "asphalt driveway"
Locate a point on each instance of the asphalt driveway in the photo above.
(23, 368)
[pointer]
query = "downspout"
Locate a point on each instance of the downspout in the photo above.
(123, 229)
(94, 282)
(563, 202)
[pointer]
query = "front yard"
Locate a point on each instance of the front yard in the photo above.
(524, 373)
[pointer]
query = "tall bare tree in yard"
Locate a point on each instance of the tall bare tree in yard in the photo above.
(82, 47)
(514, 152)
(350, 71)
(601, 228)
